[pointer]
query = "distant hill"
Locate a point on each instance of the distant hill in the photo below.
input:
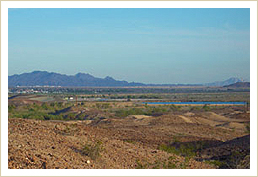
(223, 83)
(239, 85)
(44, 78)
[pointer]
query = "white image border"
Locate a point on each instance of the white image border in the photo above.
(128, 4)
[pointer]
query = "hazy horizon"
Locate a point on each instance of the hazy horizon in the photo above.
(137, 45)
(245, 80)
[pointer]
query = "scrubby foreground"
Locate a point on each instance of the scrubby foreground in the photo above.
(187, 139)
(44, 144)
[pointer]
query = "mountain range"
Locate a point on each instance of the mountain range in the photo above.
(239, 85)
(229, 81)
(44, 78)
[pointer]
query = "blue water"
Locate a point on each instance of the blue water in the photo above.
(201, 102)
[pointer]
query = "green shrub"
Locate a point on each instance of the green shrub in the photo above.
(130, 141)
(45, 106)
(92, 149)
(173, 107)
(193, 108)
(147, 110)
(247, 127)
(169, 149)
(215, 162)
(170, 165)
(139, 165)
(70, 116)
(183, 150)
(81, 116)
(206, 108)
(11, 108)
(102, 105)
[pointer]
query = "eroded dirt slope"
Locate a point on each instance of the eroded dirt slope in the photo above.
(130, 142)
(45, 144)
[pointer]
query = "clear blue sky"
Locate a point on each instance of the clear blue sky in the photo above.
(141, 45)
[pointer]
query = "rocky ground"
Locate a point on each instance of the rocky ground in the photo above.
(44, 144)
(131, 142)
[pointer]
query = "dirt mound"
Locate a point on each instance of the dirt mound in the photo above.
(215, 117)
(18, 101)
(233, 126)
(205, 121)
(189, 114)
(140, 116)
(186, 119)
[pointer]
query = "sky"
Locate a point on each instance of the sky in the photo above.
(167, 45)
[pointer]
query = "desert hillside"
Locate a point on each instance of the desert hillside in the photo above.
(166, 141)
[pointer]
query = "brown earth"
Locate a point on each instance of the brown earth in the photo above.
(127, 143)
(35, 144)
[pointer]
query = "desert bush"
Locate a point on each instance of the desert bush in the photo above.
(37, 116)
(245, 163)
(156, 110)
(35, 111)
(102, 105)
(169, 149)
(217, 163)
(127, 112)
(45, 106)
(206, 108)
(130, 141)
(139, 165)
(36, 107)
(53, 117)
(195, 108)
(170, 163)
(70, 116)
(27, 115)
(81, 116)
(11, 109)
(105, 105)
(173, 107)
(235, 159)
(147, 110)
(183, 150)
(247, 127)
(92, 149)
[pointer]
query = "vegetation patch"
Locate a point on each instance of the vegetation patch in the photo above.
(183, 150)
(92, 149)
(130, 141)
(217, 163)
(146, 110)
(247, 127)
(170, 163)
